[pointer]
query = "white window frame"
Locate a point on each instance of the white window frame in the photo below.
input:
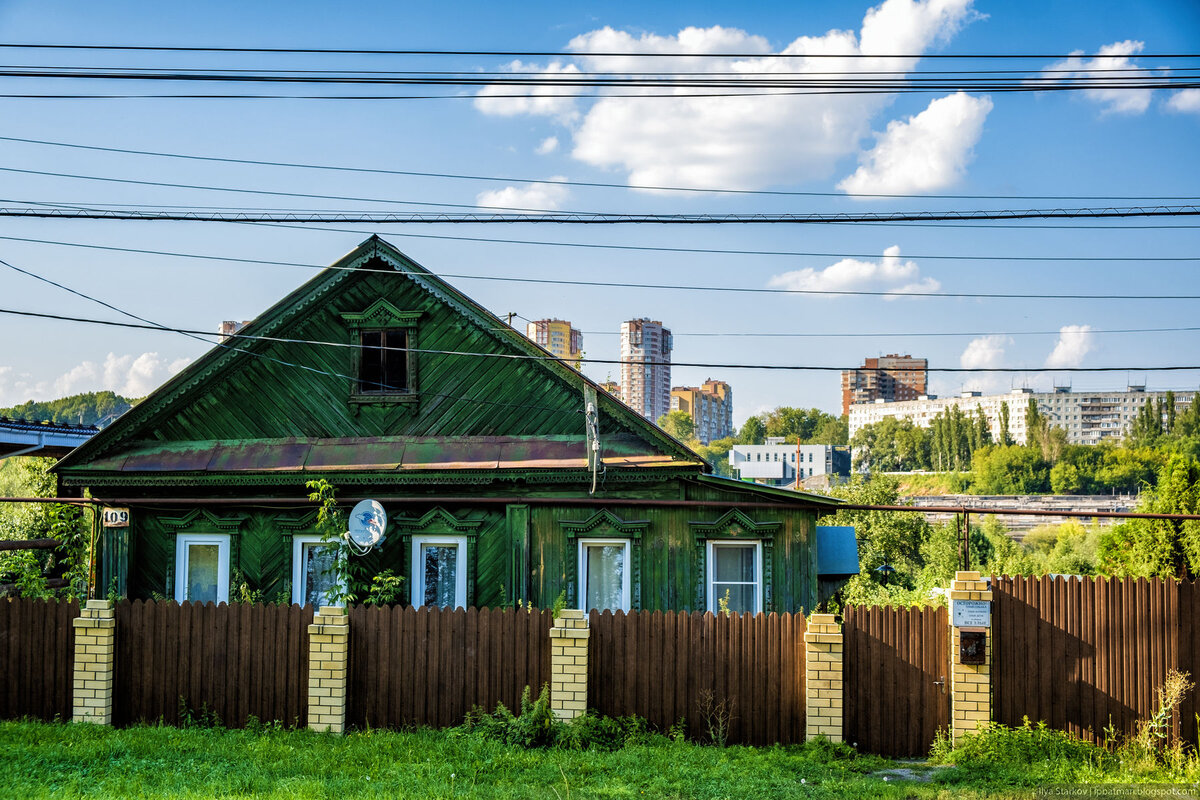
(298, 571)
(418, 573)
(710, 568)
(183, 543)
(626, 578)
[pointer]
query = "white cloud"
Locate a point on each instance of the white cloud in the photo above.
(1186, 101)
(889, 274)
(1113, 56)
(533, 197)
(545, 101)
(1074, 342)
(547, 145)
(984, 353)
(745, 142)
(128, 375)
(924, 153)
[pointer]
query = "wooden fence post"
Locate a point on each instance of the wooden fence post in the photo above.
(569, 664)
(328, 657)
(92, 685)
(971, 666)
(823, 678)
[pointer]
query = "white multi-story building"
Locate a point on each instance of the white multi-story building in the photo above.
(646, 367)
(1087, 417)
(779, 464)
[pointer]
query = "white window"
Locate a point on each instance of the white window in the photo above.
(202, 568)
(735, 576)
(314, 571)
(439, 572)
(604, 574)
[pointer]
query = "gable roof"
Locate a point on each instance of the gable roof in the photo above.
(547, 393)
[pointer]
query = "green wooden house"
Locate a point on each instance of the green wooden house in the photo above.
(382, 379)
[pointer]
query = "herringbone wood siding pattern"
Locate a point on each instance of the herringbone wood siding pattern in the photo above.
(37, 656)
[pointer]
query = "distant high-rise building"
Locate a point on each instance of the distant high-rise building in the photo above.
(557, 336)
(891, 377)
(231, 326)
(646, 367)
(710, 406)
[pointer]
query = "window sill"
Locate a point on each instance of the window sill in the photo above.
(384, 398)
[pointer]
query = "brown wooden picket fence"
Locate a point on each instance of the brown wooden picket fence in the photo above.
(896, 678)
(431, 666)
(743, 671)
(37, 656)
(232, 661)
(1085, 655)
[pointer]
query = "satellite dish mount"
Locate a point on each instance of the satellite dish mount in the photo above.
(368, 521)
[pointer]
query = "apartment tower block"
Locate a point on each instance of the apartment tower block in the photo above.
(646, 367)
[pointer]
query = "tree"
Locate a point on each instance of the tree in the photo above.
(1146, 428)
(1009, 470)
(716, 453)
(1156, 547)
(890, 445)
(1005, 437)
(679, 424)
(832, 430)
(753, 432)
(1169, 402)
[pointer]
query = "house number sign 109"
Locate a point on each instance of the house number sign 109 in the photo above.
(972, 614)
(115, 517)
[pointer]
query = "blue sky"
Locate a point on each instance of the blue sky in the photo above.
(1054, 143)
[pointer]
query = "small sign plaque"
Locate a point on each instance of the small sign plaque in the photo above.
(115, 517)
(972, 614)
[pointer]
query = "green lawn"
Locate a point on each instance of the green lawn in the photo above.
(62, 761)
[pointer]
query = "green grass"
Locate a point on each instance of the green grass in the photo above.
(65, 761)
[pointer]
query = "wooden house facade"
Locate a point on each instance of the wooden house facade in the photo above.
(382, 379)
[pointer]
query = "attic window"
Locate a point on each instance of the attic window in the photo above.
(383, 361)
(385, 364)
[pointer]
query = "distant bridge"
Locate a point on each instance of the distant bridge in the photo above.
(34, 437)
(1020, 525)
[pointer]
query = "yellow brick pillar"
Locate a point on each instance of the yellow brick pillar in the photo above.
(569, 664)
(328, 656)
(95, 636)
(823, 678)
(971, 684)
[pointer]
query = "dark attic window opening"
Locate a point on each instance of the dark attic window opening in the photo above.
(383, 364)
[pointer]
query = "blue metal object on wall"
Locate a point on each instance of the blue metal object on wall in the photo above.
(837, 551)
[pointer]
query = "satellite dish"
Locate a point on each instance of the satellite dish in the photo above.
(367, 523)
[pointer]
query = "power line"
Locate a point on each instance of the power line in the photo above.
(610, 219)
(563, 182)
(736, 289)
(648, 248)
(552, 358)
(562, 54)
(686, 334)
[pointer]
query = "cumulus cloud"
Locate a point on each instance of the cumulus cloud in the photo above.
(1115, 56)
(743, 142)
(533, 197)
(1074, 342)
(924, 153)
(545, 101)
(1186, 101)
(547, 145)
(984, 353)
(128, 375)
(890, 274)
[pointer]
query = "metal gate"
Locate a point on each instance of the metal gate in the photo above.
(896, 677)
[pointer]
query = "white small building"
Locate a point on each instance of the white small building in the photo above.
(779, 464)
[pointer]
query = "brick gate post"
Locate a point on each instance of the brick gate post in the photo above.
(569, 664)
(823, 678)
(95, 650)
(970, 653)
(328, 659)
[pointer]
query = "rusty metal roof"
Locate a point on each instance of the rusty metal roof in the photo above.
(404, 453)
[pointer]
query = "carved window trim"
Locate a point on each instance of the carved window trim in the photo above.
(605, 525)
(734, 525)
(439, 522)
(382, 316)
